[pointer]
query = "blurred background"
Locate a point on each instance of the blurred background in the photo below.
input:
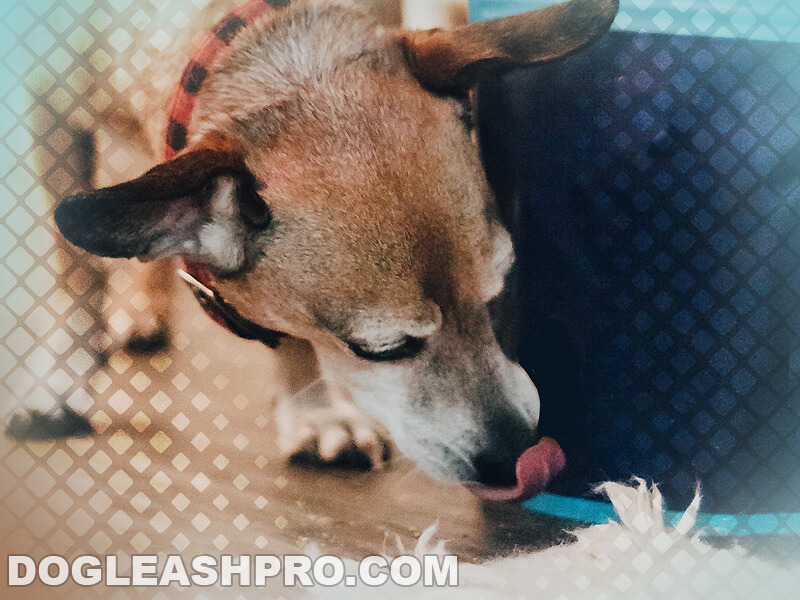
(687, 99)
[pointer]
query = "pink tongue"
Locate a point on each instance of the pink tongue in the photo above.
(535, 469)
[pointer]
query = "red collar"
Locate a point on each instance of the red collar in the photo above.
(180, 118)
(202, 62)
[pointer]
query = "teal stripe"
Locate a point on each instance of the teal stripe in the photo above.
(771, 20)
(595, 512)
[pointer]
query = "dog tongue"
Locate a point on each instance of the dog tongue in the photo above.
(535, 469)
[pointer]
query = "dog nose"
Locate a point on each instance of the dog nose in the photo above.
(508, 437)
(495, 470)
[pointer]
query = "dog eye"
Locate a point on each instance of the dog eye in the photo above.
(408, 348)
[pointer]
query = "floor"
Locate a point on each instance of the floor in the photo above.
(184, 462)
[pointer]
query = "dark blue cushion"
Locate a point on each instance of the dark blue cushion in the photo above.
(657, 221)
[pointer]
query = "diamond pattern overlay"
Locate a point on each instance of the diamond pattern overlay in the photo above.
(660, 214)
(768, 20)
(169, 427)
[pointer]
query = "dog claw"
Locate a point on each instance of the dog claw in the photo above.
(373, 445)
(333, 440)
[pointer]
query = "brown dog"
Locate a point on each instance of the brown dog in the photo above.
(331, 187)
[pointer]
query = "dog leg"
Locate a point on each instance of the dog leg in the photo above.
(150, 333)
(71, 331)
(91, 274)
(123, 154)
(317, 422)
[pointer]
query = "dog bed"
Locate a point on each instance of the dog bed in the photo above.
(652, 184)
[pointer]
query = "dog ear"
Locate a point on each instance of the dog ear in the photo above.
(202, 204)
(450, 61)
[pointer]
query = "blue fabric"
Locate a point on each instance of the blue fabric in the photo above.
(770, 20)
(657, 189)
(597, 513)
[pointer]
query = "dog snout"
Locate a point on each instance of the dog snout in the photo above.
(508, 437)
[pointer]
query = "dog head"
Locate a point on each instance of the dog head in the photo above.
(333, 189)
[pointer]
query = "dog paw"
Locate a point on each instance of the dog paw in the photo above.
(58, 424)
(335, 436)
(150, 342)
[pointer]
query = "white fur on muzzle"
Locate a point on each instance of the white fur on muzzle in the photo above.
(637, 558)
